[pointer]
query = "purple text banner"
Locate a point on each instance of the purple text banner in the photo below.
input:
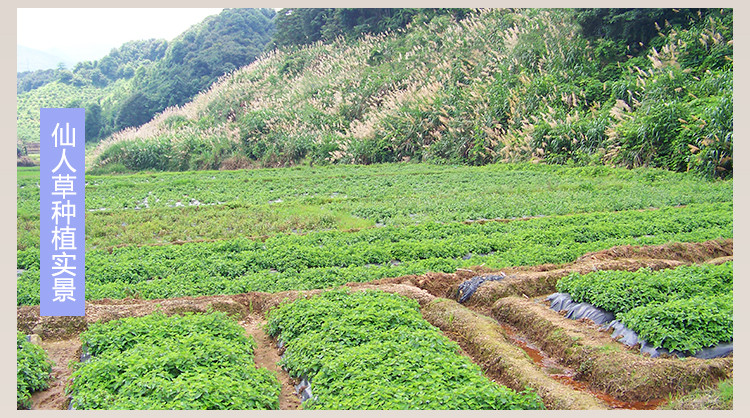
(62, 212)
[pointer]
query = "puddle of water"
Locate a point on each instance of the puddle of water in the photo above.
(566, 376)
(609, 400)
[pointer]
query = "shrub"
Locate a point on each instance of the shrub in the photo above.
(33, 369)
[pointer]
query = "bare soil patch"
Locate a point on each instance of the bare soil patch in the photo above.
(267, 356)
(61, 353)
(603, 363)
(506, 363)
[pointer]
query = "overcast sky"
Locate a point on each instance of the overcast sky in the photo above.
(89, 34)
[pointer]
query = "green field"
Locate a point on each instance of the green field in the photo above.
(373, 350)
(191, 361)
(169, 207)
(686, 309)
(408, 219)
(241, 175)
(168, 235)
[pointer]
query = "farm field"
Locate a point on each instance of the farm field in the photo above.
(193, 361)
(316, 273)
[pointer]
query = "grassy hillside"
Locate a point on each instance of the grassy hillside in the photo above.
(497, 86)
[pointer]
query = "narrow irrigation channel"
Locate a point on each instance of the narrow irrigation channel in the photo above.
(566, 375)
(267, 356)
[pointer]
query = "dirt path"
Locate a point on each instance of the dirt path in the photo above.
(61, 353)
(267, 356)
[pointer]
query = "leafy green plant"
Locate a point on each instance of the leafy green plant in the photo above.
(372, 350)
(324, 259)
(686, 308)
(688, 324)
(33, 368)
(190, 361)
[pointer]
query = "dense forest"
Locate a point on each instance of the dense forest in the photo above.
(132, 83)
(295, 27)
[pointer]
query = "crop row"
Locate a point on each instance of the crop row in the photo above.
(190, 361)
(685, 309)
(373, 350)
(330, 258)
(392, 194)
(194, 223)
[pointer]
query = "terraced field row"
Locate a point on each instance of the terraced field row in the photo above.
(383, 345)
(331, 258)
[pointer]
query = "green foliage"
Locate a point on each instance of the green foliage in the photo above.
(634, 27)
(372, 350)
(33, 369)
(682, 125)
(167, 207)
(29, 80)
(687, 308)
(193, 361)
(626, 87)
(132, 83)
(578, 142)
(302, 26)
(330, 258)
(53, 94)
(135, 110)
(197, 58)
(689, 324)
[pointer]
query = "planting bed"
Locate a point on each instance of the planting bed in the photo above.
(190, 361)
(506, 329)
(442, 269)
(331, 258)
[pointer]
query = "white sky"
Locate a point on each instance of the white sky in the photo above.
(89, 34)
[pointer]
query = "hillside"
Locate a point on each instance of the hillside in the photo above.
(560, 86)
(141, 78)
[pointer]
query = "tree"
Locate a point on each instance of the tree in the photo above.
(306, 25)
(93, 122)
(135, 111)
(634, 27)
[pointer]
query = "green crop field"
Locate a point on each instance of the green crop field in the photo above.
(329, 258)
(169, 207)
(686, 309)
(169, 235)
(276, 199)
(191, 361)
(373, 350)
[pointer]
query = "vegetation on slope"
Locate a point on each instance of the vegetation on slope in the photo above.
(496, 86)
(304, 26)
(132, 83)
